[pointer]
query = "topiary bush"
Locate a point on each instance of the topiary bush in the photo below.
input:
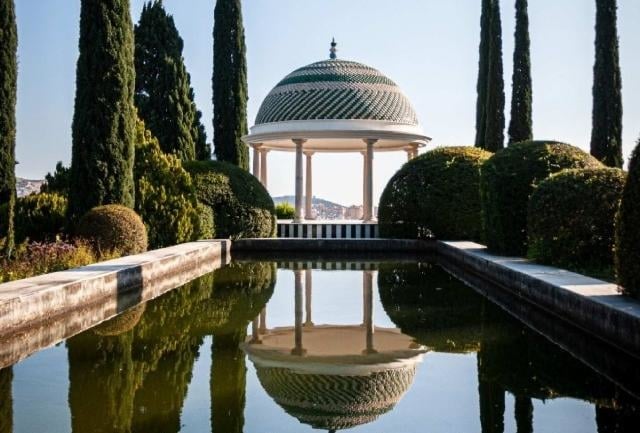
(284, 211)
(242, 207)
(39, 217)
(628, 231)
(206, 226)
(436, 192)
(571, 216)
(165, 196)
(507, 180)
(113, 228)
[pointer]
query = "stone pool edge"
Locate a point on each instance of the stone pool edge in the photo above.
(592, 305)
(114, 284)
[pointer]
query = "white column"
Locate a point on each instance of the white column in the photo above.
(298, 348)
(308, 281)
(263, 320)
(308, 192)
(368, 181)
(263, 167)
(409, 154)
(299, 176)
(256, 160)
(367, 300)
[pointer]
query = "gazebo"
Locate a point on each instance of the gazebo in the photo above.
(333, 377)
(333, 106)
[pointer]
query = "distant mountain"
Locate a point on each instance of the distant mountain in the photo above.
(323, 209)
(27, 186)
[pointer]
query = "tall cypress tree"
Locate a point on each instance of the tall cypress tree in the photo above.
(494, 128)
(164, 96)
(520, 125)
(104, 117)
(8, 93)
(485, 26)
(606, 134)
(230, 92)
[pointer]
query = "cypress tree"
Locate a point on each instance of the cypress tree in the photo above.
(8, 94)
(520, 128)
(494, 128)
(627, 233)
(485, 22)
(606, 134)
(164, 96)
(230, 92)
(104, 117)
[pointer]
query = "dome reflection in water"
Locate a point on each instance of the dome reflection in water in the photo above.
(372, 348)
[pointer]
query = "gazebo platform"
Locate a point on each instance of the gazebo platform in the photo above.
(328, 229)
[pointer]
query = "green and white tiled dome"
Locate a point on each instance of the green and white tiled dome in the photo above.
(336, 89)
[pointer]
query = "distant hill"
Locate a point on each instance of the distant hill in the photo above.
(27, 186)
(324, 209)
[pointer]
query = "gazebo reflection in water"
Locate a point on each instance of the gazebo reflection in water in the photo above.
(332, 377)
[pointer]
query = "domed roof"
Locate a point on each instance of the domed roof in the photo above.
(336, 90)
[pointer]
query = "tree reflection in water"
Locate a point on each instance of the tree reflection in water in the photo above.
(6, 400)
(131, 374)
(446, 316)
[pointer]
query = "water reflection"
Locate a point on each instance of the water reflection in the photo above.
(444, 315)
(333, 377)
(131, 374)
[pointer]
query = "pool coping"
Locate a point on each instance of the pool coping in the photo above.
(592, 305)
(52, 307)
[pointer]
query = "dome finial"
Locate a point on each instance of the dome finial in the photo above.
(333, 49)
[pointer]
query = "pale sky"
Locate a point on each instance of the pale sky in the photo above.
(428, 47)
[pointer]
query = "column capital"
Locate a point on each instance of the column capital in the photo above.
(256, 146)
(308, 152)
(299, 141)
(261, 150)
(370, 141)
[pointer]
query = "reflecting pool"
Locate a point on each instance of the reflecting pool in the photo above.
(299, 347)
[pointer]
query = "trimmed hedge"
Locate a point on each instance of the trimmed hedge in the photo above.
(242, 207)
(628, 231)
(571, 219)
(39, 217)
(165, 196)
(113, 228)
(507, 181)
(284, 211)
(437, 192)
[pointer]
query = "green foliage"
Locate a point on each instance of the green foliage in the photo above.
(520, 125)
(39, 217)
(436, 192)
(35, 259)
(627, 232)
(104, 116)
(113, 228)
(203, 149)
(490, 104)
(59, 182)
(165, 196)
(242, 207)
(230, 91)
(206, 228)
(8, 91)
(285, 211)
(571, 219)
(506, 182)
(606, 134)
(164, 96)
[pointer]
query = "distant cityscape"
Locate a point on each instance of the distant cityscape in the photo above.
(327, 210)
(26, 186)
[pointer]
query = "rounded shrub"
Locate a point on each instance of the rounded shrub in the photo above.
(206, 226)
(508, 179)
(242, 207)
(112, 228)
(627, 231)
(437, 192)
(165, 196)
(571, 216)
(284, 211)
(39, 217)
